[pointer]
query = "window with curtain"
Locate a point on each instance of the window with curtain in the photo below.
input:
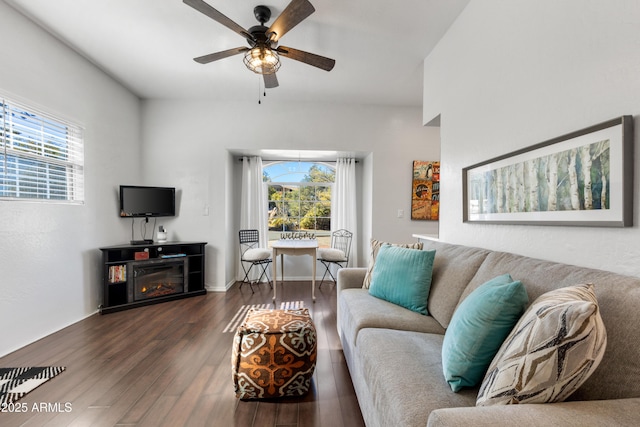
(299, 196)
(41, 156)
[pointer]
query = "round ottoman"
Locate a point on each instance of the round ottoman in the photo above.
(274, 354)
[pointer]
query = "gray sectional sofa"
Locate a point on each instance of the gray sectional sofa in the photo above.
(394, 354)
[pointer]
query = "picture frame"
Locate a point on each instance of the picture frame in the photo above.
(589, 170)
(425, 190)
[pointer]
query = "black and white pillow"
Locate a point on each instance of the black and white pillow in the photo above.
(554, 348)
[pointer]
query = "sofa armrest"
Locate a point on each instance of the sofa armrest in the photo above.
(620, 412)
(352, 277)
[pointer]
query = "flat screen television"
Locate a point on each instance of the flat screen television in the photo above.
(138, 201)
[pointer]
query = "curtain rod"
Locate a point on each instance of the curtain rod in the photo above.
(296, 160)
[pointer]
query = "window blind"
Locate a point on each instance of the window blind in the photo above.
(41, 156)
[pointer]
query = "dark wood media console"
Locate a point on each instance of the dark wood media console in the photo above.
(137, 275)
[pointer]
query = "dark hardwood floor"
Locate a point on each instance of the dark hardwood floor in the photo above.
(170, 365)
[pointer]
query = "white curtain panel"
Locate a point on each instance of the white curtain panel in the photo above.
(343, 203)
(253, 206)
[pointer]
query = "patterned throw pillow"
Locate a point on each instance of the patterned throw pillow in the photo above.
(375, 247)
(557, 344)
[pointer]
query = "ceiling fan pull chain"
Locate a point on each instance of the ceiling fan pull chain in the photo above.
(261, 92)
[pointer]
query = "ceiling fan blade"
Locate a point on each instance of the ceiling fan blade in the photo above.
(295, 12)
(306, 57)
(205, 59)
(270, 81)
(212, 13)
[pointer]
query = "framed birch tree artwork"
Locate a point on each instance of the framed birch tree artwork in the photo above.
(584, 178)
(425, 190)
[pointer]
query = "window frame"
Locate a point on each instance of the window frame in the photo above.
(41, 155)
(321, 234)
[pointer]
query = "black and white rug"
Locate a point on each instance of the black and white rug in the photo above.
(242, 312)
(17, 382)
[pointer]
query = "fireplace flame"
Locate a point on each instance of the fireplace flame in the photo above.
(158, 289)
(156, 281)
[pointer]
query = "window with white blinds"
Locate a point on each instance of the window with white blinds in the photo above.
(41, 156)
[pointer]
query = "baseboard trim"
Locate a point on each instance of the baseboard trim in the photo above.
(217, 288)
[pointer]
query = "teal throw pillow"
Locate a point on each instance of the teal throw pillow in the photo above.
(403, 276)
(478, 328)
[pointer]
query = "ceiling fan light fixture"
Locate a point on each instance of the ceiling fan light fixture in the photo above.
(263, 55)
(262, 60)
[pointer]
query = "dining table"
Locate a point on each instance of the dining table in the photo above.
(294, 247)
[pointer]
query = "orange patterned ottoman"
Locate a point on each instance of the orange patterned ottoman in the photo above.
(274, 354)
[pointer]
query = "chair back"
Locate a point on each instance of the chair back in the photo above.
(249, 239)
(341, 239)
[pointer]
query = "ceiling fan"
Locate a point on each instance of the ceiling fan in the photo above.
(262, 55)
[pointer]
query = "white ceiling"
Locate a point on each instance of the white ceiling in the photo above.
(149, 46)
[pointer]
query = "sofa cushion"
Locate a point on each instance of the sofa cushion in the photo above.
(358, 310)
(618, 298)
(400, 374)
(403, 276)
(451, 277)
(550, 353)
(375, 247)
(478, 328)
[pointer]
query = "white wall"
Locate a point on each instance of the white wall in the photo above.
(49, 257)
(511, 74)
(50, 271)
(192, 139)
